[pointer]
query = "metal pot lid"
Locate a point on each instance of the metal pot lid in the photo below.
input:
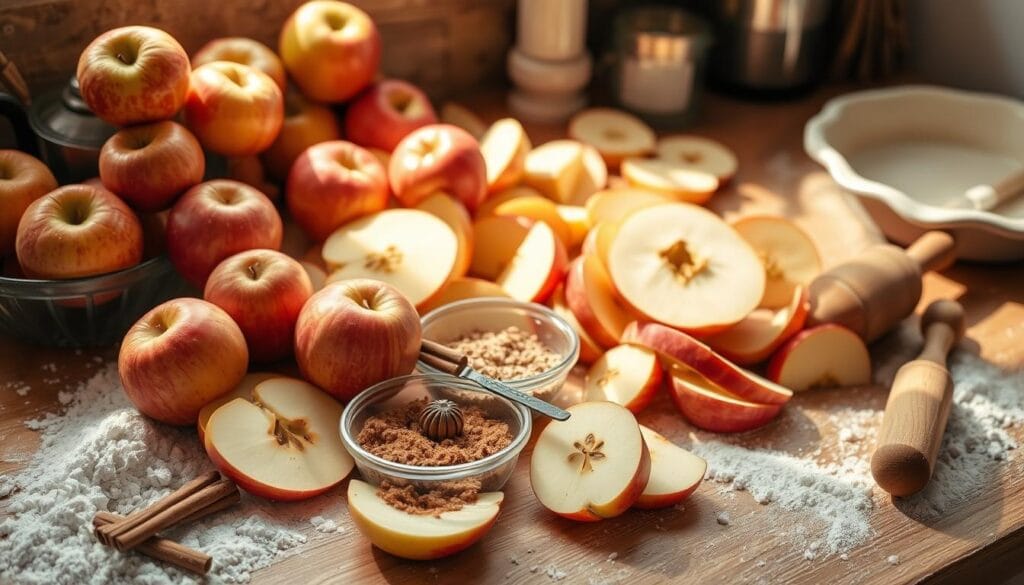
(63, 117)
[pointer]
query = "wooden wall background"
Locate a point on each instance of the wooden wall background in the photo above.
(446, 46)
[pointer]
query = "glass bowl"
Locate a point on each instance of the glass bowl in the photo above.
(85, 312)
(492, 471)
(455, 320)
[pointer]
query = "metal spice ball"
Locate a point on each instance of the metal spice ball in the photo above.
(441, 419)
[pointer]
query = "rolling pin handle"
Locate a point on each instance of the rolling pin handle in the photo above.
(934, 250)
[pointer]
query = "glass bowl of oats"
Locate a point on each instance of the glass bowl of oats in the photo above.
(525, 345)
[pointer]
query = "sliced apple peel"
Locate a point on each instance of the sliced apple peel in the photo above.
(675, 472)
(710, 407)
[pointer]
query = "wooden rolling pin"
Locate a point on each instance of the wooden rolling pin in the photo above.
(873, 292)
(918, 406)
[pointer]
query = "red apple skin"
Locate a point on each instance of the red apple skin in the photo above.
(77, 231)
(454, 166)
(149, 85)
(330, 49)
(305, 124)
(557, 274)
(590, 351)
(245, 51)
(355, 333)
(23, 179)
(150, 165)
(217, 219)
(374, 120)
(258, 488)
(233, 109)
(664, 500)
(774, 369)
(179, 356)
(720, 416)
(249, 170)
(579, 304)
(331, 184)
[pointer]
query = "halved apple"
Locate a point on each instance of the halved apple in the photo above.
(615, 204)
(825, 356)
(679, 349)
(281, 445)
(760, 333)
(461, 288)
(420, 536)
(675, 472)
(670, 177)
(540, 209)
(453, 213)
(592, 466)
(575, 216)
(590, 296)
(712, 408)
(523, 256)
(242, 390)
(701, 154)
(679, 264)
(461, 116)
(789, 255)
(614, 133)
(590, 350)
(410, 249)
(505, 146)
(629, 375)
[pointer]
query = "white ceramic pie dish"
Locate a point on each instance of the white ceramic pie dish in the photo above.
(910, 152)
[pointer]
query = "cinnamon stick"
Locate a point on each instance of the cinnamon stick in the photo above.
(162, 549)
(175, 513)
(108, 532)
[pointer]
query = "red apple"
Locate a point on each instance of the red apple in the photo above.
(332, 183)
(710, 407)
(331, 49)
(133, 75)
(233, 109)
(148, 166)
(245, 51)
(77, 231)
(386, 113)
(305, 124)
(438, 157)
(263, 291)
(355, 333)
(179, 356)
(23, 179)
(217, 219)
(824, 356)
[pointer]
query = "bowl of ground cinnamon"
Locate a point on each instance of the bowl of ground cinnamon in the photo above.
(525, 345)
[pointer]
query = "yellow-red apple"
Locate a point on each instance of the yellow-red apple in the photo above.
(628, 375)
(825, 356)
(590, 296)
(438, 157)
(710, 407)
(245, 51)
(386, 112)
(590, 350)
(524, 256)
(150, 165)
(675, 472)
(760, 333)
(241, 390)
(233, 109)
(305, 123)
(505, 146)
(23, 179)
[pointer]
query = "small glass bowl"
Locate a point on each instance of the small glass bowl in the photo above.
(492, 471)
(458, 319)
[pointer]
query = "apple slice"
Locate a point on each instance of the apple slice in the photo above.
(242, 390)
(453, 213)
(626, 374)
(589, 293)
(675, 472)
(540, 209)
(615, 204)
(599, 241)
(754, 338)
(575, 216)
(495, 199)
(284, 444)
(410, 249)
(554, 169)
(789, 255)
(826, 356)
(614, 133)
(670, 177)
(461, 116)
(678, 348)
(523, 256)
(317, 275)
(461, 288)
(593, 178)
(420, 536)
(505, 146)
(680, 265)
(712, 408)
(592, 466)
(700, 154)
(590, 350)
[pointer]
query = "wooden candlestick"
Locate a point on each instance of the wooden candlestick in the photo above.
(918, 406)
(873, 292)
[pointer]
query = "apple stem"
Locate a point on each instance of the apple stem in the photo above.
(682, 262)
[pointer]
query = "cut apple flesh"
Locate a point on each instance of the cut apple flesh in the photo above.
(283, 445)
(701, 154)
(593, 178)
(420, 536)
(523, 257)
(614, 133)
(461, 288)
(761, 332)
(540, 209)
(410, 249)
(599, 240)
(671, 178)
(712, 408)
(789, 256)
(487, 207)
(453, 213)
(242, 390)
(576, 218)
(504, 147)
(675, 472)
(593, 465)
(615, 204)
(679, 264)
(826, 356)
(589, 293)
(554, 169)
(627, 375)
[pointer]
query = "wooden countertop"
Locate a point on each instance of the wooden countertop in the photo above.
(980, 540)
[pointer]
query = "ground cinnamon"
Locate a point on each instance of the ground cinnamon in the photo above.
(509, 354)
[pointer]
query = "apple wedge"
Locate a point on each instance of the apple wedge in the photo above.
(495, 199)
(675, 472)
(789, 255)
(699, 154)
(592, 466)
(505, 146)
(590, 296)
(707, 406)
(410, 249)
(420, 536)
(461, 116)
(826, 356)
(753, 339)
(615, 204)
(461, 288)
(283, 444)
(540, 209)
(590, 350)
(614, 133)
(593, 178)
(680, 265)
(575, 216)
(679, 349)
(672, 178)
(566, 171)
(242, 390)
(523, 256)
(453, 213)
(628, 375)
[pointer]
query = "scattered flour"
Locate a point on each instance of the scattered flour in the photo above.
(723, 518)
(893, 559)
(324, 525)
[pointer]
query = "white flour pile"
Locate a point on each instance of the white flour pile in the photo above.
(100, 454)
